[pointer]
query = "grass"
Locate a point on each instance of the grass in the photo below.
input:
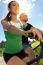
(37, 50)
(1, 51)
(41, 62)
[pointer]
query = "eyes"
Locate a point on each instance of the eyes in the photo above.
(15, 4)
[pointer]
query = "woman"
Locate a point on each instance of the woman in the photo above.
(13, 52)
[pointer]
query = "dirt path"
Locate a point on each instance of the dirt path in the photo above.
(2, 61)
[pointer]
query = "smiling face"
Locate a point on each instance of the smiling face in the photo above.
(23, 17)
(14, 7)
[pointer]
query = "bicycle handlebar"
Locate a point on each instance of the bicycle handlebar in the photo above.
(31, 35)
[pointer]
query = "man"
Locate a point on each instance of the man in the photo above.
(26, 26)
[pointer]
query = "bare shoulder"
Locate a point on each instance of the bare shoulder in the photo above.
(3, 21)
(5, 24)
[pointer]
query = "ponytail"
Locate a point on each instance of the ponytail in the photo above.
(8, 17)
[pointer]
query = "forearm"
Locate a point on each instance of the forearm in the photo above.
(11, 28)
(34, 30)
(40, 31)
(16, 30)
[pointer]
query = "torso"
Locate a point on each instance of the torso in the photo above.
(28, 26)
(14, 41)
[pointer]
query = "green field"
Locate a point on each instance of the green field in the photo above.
(37, 50)
(1, 51)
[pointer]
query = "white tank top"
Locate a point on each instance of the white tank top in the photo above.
(16, 24)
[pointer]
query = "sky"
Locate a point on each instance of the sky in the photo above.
(33, 8)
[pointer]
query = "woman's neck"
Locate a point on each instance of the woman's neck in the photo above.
(14, 17)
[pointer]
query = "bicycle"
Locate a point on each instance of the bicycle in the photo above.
(40, 56)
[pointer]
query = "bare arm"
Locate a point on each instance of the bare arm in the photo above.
(36, 32)
(40, 31)
(11, 28)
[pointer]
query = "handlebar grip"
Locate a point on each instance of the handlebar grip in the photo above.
(36, 37)
(30, 34)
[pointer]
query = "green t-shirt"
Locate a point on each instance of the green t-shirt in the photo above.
(13, 43)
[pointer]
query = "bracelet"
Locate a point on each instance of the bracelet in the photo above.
(26, 34)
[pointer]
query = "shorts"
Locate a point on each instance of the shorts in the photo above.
(7, 56)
